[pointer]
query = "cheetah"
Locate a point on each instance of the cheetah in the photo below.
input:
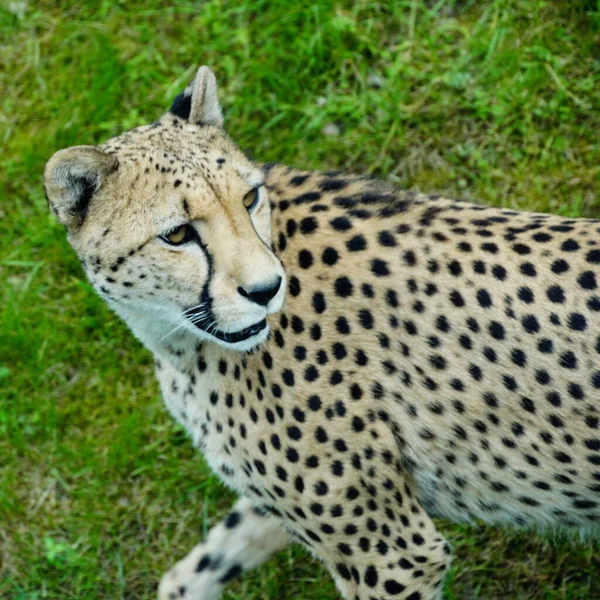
(352, 359)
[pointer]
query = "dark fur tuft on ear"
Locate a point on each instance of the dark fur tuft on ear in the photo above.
(181, 106)
(72, 177)
(83, 189)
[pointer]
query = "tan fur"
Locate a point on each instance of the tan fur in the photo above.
(431, 357)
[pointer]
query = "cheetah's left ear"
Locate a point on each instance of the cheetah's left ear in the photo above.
(199, 103)
(72, 178)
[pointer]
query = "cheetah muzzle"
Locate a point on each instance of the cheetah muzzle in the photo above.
(351, 358)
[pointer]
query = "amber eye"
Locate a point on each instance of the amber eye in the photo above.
(251, 199)
(179, 235)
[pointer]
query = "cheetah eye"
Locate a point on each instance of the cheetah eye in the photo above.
(178, 236)
(251, 199)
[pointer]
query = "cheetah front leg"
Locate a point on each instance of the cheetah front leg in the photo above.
(243, 540)
(367, 525)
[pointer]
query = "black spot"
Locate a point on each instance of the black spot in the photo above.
(521, 249)
(305, 259)
(393, 587)
(294, 432)
(542, 377)
(366, 318)
(318, 302)
(386, 239)
(587, 280)
(371, 577)
(496, 330)
(531, 324)
(340, 223)
(456, 298)
(479, 267)
(541, 237)
(437, 361)
(525, 295)
(357, 424)
(454, 268)
(577, 322)
(342, 325)
(575, 391)
(409, 258)
(343, 571)
(231, 573)
(232, 520)
(560, 266)
(391, 298)
(379, 267)
(307, 198)
(290, 227)
(330, 185)
(518, 357)
(556, 294)
(330, 256)
(568, 360)
(343, 287)
(294, 286)
(288, 377)
(356, 244)
(593, 257)
(484, 298)
(528, 269)
(298, 180)
(308, 225)
(569, 245)
(499, 272)
(292, 455)
(489, 247)
(203, 563)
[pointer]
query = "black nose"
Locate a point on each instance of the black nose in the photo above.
(261, 295)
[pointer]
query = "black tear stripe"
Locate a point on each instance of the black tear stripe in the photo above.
(206, 302)
(205, 297)
(182, 106)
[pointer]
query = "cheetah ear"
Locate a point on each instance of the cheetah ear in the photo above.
(199, 102)
(71, 178)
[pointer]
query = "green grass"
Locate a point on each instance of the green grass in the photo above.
(494, 100)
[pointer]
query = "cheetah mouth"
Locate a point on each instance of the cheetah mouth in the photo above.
(230, 337)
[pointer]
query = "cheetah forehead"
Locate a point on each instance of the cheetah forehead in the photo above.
(180, 152)
(168, 168)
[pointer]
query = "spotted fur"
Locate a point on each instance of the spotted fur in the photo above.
(432, 357)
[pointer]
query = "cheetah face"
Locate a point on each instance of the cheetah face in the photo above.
(172, 224)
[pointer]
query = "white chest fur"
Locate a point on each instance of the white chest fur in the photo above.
(196, 401)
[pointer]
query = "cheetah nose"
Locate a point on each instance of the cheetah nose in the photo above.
(261, 294)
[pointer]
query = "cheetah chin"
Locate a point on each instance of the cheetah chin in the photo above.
(352, 358)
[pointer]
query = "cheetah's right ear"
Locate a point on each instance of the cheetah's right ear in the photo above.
(199, 103)
(71, 177)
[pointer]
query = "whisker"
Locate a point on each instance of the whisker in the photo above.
(172, 331)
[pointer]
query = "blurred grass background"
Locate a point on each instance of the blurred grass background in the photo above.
(495, 100)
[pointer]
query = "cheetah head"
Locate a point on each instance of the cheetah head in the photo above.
(172, 224)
